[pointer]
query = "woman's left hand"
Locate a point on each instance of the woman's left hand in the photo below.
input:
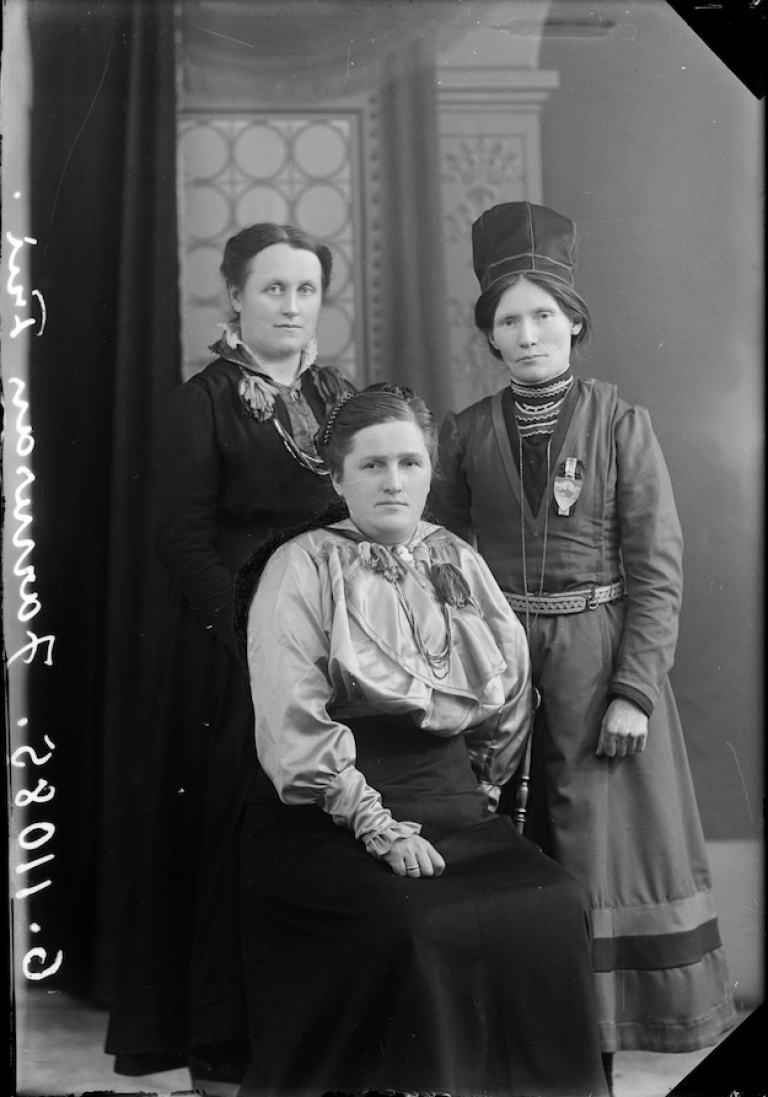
(414, 857)
(624, 729)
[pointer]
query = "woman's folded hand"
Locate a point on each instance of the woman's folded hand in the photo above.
(414, 856)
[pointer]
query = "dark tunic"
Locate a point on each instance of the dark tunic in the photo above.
(225, 483)
(626, 828)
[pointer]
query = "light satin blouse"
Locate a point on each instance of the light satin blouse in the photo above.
(330, 638)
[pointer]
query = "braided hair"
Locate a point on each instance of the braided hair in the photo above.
(379, 403)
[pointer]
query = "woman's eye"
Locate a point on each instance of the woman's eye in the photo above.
(275, 288)
(307, 290)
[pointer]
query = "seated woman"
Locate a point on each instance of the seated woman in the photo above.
(399, 936)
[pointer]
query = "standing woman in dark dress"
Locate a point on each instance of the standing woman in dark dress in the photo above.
(237, 465)
(565, 488)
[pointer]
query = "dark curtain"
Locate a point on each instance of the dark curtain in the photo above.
(102, 177)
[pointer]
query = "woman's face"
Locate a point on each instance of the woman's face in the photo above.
(385, 480)
(279, 302)
(532, 333)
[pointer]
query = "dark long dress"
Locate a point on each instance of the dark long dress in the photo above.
(475, 982)
(627, 828)
(225, 483)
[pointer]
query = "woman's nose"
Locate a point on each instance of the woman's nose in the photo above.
(527, 332)
(392, 480)
(290, 304)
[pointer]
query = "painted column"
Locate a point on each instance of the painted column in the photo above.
(490, 98)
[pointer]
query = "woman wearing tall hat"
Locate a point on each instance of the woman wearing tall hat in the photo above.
(565, 489)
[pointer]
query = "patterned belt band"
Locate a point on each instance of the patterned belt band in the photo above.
(571, 601)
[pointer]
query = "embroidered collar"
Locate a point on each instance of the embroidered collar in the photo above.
(537, 407)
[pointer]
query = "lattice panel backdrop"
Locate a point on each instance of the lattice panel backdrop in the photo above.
(297, 169)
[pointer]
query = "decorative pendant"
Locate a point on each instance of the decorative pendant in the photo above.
(568, 484)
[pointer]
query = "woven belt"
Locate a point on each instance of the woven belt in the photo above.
(571, 601)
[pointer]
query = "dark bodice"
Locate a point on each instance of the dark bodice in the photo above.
(225, 482)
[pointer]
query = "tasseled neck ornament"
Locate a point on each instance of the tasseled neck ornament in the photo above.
(449, 583)
(537, 407)
(258, 392)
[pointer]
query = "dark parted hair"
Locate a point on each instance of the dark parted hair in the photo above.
(379, 403)
(240, 249)
(569, 301)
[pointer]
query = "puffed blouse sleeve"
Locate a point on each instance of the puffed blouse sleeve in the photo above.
(308, 756)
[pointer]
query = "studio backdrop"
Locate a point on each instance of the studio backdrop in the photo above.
(157, 130)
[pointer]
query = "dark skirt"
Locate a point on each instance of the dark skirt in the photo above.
(475, 982)
(179, 981)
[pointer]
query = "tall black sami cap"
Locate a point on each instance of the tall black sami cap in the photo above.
(518, 237)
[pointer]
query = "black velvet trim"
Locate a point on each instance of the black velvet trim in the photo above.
(134, 1066)
(632, 695)
(655, 951)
